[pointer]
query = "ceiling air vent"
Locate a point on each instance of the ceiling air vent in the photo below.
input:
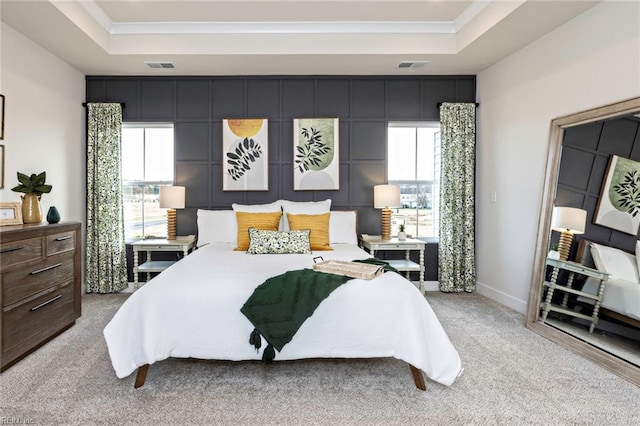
(412, 64)
(160, 65)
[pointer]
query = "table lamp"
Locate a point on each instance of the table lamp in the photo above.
(384, 197)
(171, 198)
(568, 221)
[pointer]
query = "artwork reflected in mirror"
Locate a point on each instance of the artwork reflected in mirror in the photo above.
(588, 251)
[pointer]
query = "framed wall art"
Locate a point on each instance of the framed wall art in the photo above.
(619, 201)
(1, 117)
(1, 166)
(245, 154)
(315, 152)
(10, 214)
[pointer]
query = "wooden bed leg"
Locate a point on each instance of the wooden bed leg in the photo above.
(142, 376)
(418, 378)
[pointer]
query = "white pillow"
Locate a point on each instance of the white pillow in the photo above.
(216, 226)
(618, 263)
(342, 227)
(302, 207)
(257, 208)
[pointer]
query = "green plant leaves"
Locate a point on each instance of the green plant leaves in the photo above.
(239, 160)
(628, 191)
(310, 153)
(32, 184)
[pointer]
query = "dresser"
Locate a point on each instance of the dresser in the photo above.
(40, 286)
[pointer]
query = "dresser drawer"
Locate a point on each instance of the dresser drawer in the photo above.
(29, 324)
(59, 243)
(28, 280)
(20, 251)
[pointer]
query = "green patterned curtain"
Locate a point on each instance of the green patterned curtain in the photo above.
(457, 264)
(106, 264)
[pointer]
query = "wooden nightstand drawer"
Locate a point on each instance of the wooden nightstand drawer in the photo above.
(29, 324)
(18, 252)
(29, 280)
(59, 243)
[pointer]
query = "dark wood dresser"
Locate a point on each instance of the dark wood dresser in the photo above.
(40, 286)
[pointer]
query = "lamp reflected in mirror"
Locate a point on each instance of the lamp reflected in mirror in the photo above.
(568, 221)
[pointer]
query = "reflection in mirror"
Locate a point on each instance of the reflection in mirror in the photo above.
(587, 296)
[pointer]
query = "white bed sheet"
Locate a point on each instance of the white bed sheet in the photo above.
(192, 309)
(619, 296)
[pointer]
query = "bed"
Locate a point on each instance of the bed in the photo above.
(621, 299)
(192, 309)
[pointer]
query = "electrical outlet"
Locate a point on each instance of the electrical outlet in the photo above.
(494, 196)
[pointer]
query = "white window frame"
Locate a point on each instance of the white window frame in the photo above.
(435, 183)
(145, 183)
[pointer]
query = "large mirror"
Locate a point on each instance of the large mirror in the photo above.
(581, 168)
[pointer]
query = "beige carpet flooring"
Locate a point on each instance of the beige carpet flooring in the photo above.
(512, 377)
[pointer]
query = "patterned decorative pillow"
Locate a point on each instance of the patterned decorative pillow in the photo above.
(278, 242)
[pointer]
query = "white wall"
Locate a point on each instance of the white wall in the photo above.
(44, 123)
(591, 61)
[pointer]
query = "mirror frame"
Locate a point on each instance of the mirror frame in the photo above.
(611, 362)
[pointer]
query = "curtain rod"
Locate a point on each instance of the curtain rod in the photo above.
(439, 104)
(122, 104)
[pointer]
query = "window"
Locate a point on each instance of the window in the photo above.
(147, 164)
(414, 164)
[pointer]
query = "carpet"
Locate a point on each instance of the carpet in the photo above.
(511, 376)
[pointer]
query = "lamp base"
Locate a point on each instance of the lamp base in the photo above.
(564, 245)
(386, 223)
(171, 224)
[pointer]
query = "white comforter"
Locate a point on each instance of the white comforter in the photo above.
(619, 296)
(193, 310)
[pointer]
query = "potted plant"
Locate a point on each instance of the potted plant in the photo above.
(33, 187)
(401, 234)
(554, 253)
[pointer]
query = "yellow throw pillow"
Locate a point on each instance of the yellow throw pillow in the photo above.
(317, 223)
(262, 221)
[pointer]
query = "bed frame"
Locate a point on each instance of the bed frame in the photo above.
(583, 256)
(418, 377)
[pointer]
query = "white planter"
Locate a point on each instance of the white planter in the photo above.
(554, 255)
(402, 236)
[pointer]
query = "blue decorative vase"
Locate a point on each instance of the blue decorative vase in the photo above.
(53, 215)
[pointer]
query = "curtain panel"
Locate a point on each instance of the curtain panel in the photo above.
(456, 252)
(106, 263)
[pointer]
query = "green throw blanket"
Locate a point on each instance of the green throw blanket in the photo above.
(279, 306)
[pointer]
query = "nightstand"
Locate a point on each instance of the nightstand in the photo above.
(184, 244)
(373, 243)
(552, 285)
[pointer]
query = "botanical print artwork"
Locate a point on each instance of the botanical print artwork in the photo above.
(244, 144)
(619, 202)
(315, 152)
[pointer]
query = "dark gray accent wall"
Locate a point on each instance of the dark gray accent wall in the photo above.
(585, 154)
(364, 105)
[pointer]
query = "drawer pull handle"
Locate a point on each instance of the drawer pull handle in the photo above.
(63, 238)
(12, 249)
(46, 303)
(46, 269)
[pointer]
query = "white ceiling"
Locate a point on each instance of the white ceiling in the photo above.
(287, 37)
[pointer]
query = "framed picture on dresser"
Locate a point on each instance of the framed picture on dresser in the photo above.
(10, 214)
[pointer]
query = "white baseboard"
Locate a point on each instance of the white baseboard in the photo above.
(431, 286)
(503, 298)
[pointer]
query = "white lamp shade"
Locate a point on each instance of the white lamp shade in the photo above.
(386, 196)
(172, 197)
(569, 219)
